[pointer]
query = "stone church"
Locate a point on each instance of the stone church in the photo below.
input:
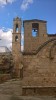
(36, 65)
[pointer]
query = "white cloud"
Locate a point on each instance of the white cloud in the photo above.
(5, 2)
(6, 37)
(25, 4)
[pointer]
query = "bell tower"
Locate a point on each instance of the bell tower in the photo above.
(16, 43)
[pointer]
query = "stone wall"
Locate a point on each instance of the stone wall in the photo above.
(39, 55)
(31, 42)
(39, 69)
(6, 66)
(39, 91)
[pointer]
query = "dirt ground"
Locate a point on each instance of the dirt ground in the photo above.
(14, 97)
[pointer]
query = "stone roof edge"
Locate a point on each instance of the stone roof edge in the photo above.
(35, 20)
(51, 35)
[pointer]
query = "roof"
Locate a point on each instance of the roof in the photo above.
(35, 20)
(32, 20)
(4, 49)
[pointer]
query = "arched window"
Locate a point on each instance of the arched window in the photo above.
(17, 29)
(35, 29)
(16, 38)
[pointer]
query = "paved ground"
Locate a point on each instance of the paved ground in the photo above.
(11, 87)
(13, 97)
(11, 90)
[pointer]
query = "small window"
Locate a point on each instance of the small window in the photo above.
(34, 29)
(16, 38)
(17, 29)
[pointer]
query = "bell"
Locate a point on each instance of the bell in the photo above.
(34, 30)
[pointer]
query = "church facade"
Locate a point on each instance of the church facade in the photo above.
(36, 65)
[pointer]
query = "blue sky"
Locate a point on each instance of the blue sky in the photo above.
(26, 9)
